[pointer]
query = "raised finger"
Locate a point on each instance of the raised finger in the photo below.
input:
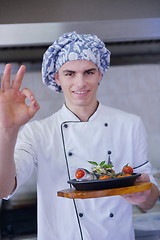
(16, 83)
(5, 81)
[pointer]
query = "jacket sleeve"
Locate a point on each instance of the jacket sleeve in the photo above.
(142, 163)
(25, 157)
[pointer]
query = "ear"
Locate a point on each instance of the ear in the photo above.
(56, 77)
(100, 76)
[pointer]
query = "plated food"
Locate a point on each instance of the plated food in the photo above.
(100, 184)
(103, 176)
(102, 171)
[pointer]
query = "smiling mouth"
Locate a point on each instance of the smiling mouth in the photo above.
(81, 92)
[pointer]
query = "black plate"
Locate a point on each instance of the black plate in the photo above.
(87, 185)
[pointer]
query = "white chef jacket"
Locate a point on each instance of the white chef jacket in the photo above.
(60, 144)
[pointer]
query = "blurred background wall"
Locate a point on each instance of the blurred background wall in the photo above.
(131, 85)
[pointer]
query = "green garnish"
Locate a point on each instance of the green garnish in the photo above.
(107, 166)
(94, 163)
(101, 164)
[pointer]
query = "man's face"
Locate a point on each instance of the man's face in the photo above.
(79, 81)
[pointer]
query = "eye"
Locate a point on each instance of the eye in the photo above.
(89, 72)
(69, 74)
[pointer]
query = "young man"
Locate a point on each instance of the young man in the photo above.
(83, 129)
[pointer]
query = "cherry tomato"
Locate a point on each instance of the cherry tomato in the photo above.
(104, 177)
(79, 173)
(127, 169)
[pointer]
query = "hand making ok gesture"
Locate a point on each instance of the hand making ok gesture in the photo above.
(14, 112)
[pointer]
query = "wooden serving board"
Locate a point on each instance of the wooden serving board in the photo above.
(72, 193)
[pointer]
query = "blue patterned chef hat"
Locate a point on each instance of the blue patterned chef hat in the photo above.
(73, 46)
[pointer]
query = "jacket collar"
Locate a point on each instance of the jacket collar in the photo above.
(67, 115)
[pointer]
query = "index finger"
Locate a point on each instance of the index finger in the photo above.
(16, 83)
(5, 80)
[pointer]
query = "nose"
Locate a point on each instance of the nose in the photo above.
(80, 80)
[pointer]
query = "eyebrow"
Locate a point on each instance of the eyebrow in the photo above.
(72, 71)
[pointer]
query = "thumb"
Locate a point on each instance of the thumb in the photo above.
(143, 178)
(34, 107)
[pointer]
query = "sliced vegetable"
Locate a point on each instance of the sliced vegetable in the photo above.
(104, 177)
(124, 175)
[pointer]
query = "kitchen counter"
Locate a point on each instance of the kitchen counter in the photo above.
(25, 237)
(147, 223)
(18, 221)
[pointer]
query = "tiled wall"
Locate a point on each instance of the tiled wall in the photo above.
(133, 88)
(136, 89)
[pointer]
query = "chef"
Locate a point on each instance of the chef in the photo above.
(82, 130)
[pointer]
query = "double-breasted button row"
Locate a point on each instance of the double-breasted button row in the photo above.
(66, 125)
(110, 215)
